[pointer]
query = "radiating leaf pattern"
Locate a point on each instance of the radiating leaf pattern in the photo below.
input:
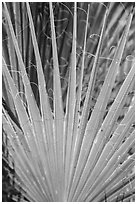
(68, 100)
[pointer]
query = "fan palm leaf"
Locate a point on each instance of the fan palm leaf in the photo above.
(63, 147)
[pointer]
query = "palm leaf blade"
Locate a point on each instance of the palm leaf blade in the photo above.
(68, 101)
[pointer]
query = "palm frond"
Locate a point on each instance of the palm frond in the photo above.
(65, 85)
